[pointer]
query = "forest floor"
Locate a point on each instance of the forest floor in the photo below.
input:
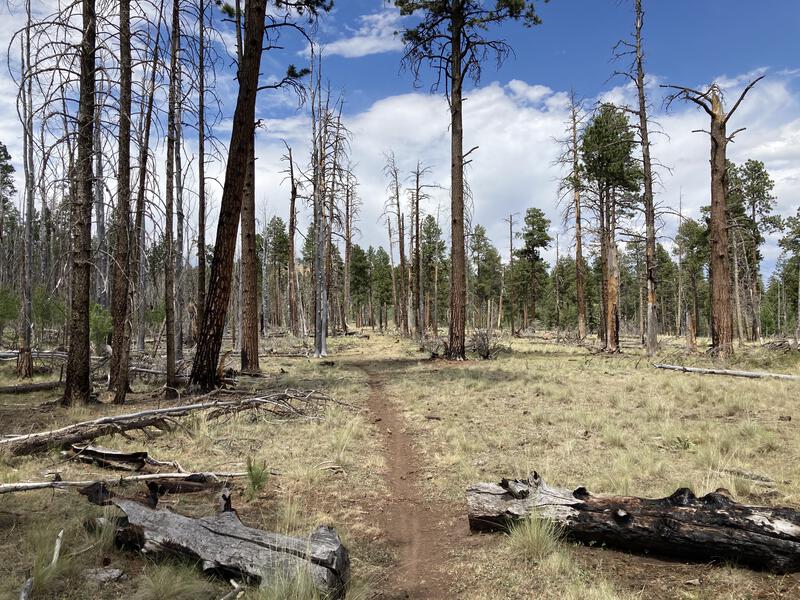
(389, 469)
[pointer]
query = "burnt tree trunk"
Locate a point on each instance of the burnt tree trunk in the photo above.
(169, 250)
(710, 528)
(249, 342)
(120, 297)
(651, 337)
(204, 368)
(291, 267)
(78, 385)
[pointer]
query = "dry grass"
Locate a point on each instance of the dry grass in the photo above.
(613, 424)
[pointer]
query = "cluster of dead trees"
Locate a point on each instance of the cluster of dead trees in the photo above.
(102, 85)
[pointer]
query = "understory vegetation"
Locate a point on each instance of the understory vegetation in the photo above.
(611, 423)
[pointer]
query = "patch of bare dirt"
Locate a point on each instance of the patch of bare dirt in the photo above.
(422, 532)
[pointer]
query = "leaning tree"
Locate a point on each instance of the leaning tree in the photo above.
(452, 38)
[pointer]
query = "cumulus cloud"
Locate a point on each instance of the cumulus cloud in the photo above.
(375, 34)
(515, 126)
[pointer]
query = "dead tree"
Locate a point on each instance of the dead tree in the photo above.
(392, 171)
(24, 360)
(169, 250)
(571, 185)
(291, 266)
(78, 385)
(120, 296)
(711, 101)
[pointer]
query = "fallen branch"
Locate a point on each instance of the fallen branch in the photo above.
(25, 388)
(7, 488)
(280, 404)
(118, 459)
(222, 544)
(748, 374)
(712, 527)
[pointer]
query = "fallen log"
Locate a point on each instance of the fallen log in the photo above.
(281, 404)
(748, 374)
(25, 388)
(223, 545)
(206, 478)
(710, 528)
(118, 459)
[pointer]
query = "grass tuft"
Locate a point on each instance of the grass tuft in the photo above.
(173, 582)
(535, 538)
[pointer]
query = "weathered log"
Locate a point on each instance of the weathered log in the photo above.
(25, 486)
(747, 374)
(118, 459)
(712, 527)
(222, 544)
(25, 388)
(280, 404)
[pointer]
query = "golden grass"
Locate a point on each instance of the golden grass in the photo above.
(613, 424)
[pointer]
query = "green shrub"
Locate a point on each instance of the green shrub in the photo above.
(99, 325)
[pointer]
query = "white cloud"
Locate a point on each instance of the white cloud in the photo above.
(515, 126)
(376, 33)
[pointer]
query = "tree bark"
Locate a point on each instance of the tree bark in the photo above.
(249, 342)
(580, 268)
(221, 543)
(721, 318)
(651, 338)
(712, 527)
(201, 163)
(78, 385)
(456, 348)
(204, 368)
(120, 296)
(24, 359)
(291, 267)
(169, 250)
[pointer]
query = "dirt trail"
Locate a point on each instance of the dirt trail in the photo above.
(422, 532)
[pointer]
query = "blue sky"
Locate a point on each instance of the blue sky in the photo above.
(687, 41)
(518, 111)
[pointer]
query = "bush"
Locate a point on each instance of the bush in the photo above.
(46, 309)
(99, 325)
(9, 308)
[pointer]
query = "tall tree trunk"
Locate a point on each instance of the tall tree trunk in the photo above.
(458, 284)
(348, 247)
(180, 296)
(78, 384)
(137, 252)
(395, 311)
(580, 267)
(740, 333)
(721, 318)
(101, 272)
(25, 358)
(651, 342)
(204, 369)
(249, 350)
(120, 297)
(169, 251)
(418, 296)
(201, 164)
(291, 267)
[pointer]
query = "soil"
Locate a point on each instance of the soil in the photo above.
(422, 532)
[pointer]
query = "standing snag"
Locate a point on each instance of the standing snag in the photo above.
(711, 101)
